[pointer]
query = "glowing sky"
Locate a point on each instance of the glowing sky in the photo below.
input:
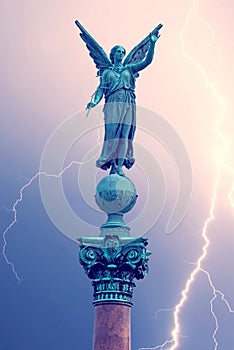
(47, 76)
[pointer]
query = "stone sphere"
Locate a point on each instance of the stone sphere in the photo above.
(116, 194)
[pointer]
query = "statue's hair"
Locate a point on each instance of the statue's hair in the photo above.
(113, 50)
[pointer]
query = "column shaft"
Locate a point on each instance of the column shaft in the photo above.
(112, 330)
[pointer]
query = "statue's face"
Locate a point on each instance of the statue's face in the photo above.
(119, 54)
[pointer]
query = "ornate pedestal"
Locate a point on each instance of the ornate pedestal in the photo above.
(113, 261)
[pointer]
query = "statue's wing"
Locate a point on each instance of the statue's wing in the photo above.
(139, 52)
(95, 50)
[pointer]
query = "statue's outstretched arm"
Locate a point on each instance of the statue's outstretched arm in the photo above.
(142, 54)
(149, 57)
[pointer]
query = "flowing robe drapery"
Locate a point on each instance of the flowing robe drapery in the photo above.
(119, 116)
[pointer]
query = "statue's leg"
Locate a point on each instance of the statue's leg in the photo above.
(110, 146)
(122, 148)
(120, 162)
(114, 167)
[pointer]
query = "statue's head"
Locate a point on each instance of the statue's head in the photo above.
(115, 50)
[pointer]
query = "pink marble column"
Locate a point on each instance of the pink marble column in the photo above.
(112, 329)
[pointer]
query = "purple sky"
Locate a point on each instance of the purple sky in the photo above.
(46, 77)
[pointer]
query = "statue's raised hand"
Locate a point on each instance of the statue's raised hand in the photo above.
(154, 37)
(91, 105)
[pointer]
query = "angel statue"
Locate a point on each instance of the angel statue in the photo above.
(117, 85)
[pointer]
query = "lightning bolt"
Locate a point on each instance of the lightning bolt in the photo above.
(220, 156)
(14, 221)
(14, 211)
(216, 293)
(162, 310)
(184, 294)
(220, 161)
(20, 199)
(212, 38)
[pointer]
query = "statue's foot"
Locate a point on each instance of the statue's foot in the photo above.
(120, 171)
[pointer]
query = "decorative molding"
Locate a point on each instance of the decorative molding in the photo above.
(113, 266)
